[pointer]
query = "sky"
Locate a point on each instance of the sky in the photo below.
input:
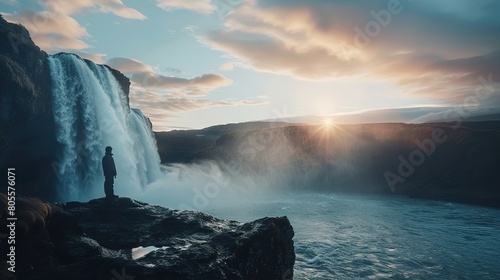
(197, 63)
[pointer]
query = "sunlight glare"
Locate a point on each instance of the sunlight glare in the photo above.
(326, 128)
(327, 122)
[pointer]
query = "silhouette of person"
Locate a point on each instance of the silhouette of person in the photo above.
(109, 168)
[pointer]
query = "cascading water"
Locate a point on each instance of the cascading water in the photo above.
(91, 112)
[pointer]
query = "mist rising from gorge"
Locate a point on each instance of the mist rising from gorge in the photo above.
(451, 161)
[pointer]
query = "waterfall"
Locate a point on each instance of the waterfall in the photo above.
(91, 112)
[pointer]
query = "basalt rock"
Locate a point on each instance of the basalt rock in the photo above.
(128, 239)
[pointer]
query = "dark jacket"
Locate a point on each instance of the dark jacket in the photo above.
(108, 166)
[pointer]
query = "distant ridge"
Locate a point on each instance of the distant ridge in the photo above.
(395, 115)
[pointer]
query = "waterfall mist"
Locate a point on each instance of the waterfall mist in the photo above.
(201, 186)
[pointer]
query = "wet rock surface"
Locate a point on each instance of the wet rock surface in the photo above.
(127, 239)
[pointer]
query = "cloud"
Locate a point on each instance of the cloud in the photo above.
(54, 29)
(175, 103)
(161, 108)
(173, 70)
(115, 7)
(226, 66)
(129, 66)
(146, 77)
(96, 58)
(286, 39)
(427, 49)
(199, 6)
(450, 80)
(276, 57)
(195, 86)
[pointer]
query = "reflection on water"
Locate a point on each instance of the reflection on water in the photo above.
(340, 236)
(140, 252)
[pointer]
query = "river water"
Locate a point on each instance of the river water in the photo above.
(342, 236)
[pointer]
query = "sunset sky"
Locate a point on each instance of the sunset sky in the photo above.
(204, 62)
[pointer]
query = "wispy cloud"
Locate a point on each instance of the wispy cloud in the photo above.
(115, 7)
(146, 77)
(195, 86)
(162, 108)
(199, 6)
(226, 66)
(129, 66)
(177, 103)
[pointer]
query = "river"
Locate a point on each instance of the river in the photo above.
(345, 236)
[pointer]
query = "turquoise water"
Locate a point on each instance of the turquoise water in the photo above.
(339, 236)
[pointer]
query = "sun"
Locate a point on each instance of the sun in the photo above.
(327, 122)
(326, 128)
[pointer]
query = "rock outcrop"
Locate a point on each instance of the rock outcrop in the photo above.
(128, 239)
(27, 129)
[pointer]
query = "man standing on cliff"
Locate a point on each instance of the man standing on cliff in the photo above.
(109, 168)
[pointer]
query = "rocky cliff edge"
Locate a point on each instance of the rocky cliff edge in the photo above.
(128, 239)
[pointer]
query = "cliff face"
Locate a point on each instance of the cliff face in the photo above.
(96, 240)
(27, 128)
(25, 76)
(26, 121)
